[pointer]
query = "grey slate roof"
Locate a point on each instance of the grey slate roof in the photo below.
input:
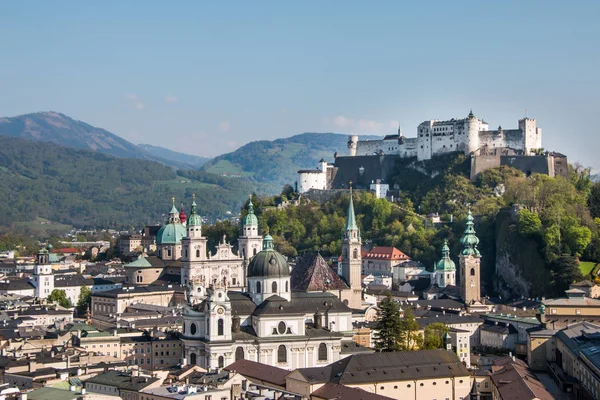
(258, 371)
(121, 380)
(393, 366)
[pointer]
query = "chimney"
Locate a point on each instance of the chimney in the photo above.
(318, 320)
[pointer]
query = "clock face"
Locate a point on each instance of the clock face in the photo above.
(219, 311)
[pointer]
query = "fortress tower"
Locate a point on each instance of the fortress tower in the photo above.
(352, 145)
(473, 126)
(532, 135)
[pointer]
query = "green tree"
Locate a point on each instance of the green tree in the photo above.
(59, 296)
(410, 338)
(594, 200)
(434, 335)
(565, 270)
(387, 337)
(529, 223)
(84, 301)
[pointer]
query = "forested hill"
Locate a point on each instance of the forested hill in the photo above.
(60, 129)
(89, 189)
(189, 160)
(277, 162)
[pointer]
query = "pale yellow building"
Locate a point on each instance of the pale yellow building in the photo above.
(406, 375)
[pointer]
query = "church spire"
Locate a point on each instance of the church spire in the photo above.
(351, 218)
(470, 240)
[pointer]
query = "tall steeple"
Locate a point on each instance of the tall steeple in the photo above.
(470, 240)
(351, 227)
(194, 219)
(470, 264)
(351, 254)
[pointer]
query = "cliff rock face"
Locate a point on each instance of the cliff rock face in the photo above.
(520, 268)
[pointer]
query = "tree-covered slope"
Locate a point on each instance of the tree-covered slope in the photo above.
(277, 162)
(89, 189)
(187, 160)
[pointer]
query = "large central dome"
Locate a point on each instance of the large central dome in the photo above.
(268, 263)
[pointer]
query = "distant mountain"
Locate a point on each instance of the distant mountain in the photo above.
(194, 162)
(277, 162)
(83, 188)
(60, 129)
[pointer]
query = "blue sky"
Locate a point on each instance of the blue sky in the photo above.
(207, 77)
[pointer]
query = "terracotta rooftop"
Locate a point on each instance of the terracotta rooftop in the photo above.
(516, 381)
(386, 253)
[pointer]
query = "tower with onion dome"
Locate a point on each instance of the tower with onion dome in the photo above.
(250, 242)
(445, 270)
(168, 238)
(470, 264)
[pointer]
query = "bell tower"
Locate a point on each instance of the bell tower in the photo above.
(351, 254)
(470, 263)
(193, 246)
(250, 242)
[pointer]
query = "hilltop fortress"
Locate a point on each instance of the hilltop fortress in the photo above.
(465, 135)
(369, 163)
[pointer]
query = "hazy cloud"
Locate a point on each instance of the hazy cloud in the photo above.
(135, 101)
(224, 126)
(361, 125)
(171, 99)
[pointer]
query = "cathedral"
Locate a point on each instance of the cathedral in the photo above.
(269, 322)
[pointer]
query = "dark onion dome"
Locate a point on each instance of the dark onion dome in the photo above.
(268, 263)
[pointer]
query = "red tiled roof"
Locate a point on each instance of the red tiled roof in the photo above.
(66, 250)
(385, 253)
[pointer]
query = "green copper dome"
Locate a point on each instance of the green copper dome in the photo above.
(170, 234)
(174, 231)
(470, 240)
(250, 218)
(268, 263)
(194, 219)
(445, 263)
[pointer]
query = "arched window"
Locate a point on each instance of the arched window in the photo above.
(274, 287)
(193, 328)
(239, 353)
(322, 352)
(355, 253)
(193, 358)
(254, 251)
(221, 362)
(281, 354)
(472, 271)
(169, 252)
(220, 327)
(287, 286)
(257, 287)
(198, 253)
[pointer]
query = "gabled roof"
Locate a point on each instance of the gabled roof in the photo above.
(393, 366)
(386, 253)
(514, 380)
(312, 274)
(258, 371)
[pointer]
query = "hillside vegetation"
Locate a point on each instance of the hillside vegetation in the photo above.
(277, 162)
(88, 189)
(533, 231)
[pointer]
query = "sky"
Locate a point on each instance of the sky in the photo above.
(207, 77)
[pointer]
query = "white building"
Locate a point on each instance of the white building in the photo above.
(379, 189)
(314, 178)
(466, 135)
